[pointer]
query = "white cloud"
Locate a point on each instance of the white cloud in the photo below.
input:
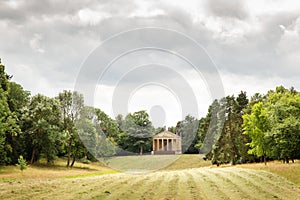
(144, 13)
(90, 17)
(234, 83)
(14, 4)
(290, 39)
(35, 43)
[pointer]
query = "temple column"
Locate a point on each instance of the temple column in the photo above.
(167, 144)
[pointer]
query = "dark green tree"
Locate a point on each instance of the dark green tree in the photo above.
(8, 120)
(43, 127)
(188, 131)
(283, 107)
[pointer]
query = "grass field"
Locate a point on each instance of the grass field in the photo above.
(145, 163)
(150, 163)
(193, 179)
(58, 170)
(290, 171)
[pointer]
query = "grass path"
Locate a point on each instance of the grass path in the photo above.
(198, 183)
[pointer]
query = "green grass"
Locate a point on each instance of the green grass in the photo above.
(143, 163)
(186, 177)
(92, 174)
(188, 161)
(148, 163)
(196, 183)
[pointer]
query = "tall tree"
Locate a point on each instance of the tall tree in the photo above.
(18, 99)
(42, 118)
(188, 131)
(284, 115)
(8, 120)
(210, 128)
(72, 104)
(138, 132)
(231, 147)
(256, 125)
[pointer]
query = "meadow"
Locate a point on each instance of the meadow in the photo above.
(189, 177)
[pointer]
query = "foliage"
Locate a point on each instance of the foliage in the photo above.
(22, 163)
(256, 125)
(136, 133)
(274, 125)
(284, 114)
(42, 119)
(233, 131)
(223, 127)
(187, 129)
(71, 104)
(9, 127)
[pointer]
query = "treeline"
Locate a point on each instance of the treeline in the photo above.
(235, 129)
(239, 130)
(43, 127)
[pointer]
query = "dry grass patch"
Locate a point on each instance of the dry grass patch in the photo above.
(290, 171)
(57, 170)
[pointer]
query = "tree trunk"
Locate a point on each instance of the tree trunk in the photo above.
(69, 152)
(232, 151)
(265, 160)
(141, 149)
(286, 160)
(74, 158)
(73, 161)
(32, 156)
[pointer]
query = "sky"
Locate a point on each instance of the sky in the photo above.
(171, 58)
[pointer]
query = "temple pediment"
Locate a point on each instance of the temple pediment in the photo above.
(166, 134)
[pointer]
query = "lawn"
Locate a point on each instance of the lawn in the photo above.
(189, 177)
(145, 163)
(290, 171)
(58, 170)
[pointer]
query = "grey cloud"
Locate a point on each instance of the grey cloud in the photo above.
(67, 44)
(225, 8)
(257, 55)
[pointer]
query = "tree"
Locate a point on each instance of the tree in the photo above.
(188, 132)
(256, 125)
(87, 133)
(230, 146)
(42, 119)
(138, 132)
(142, 130)
(22, 163)
(283, 108)
(210, 128)
(71, 104)
(18, 99)
(8, 120)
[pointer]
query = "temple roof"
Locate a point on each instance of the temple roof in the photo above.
(166, 134)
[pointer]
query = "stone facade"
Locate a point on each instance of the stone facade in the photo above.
(166, 142)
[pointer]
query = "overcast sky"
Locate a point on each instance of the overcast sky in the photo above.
(103, 47)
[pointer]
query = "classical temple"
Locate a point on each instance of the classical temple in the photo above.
(166, 142)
